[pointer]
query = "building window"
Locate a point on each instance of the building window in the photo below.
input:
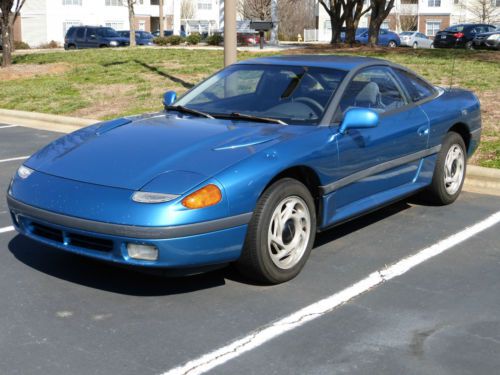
(117, 25)
(456, 2)
(142, 25)
(72, 2)
(495, 3)
(434, 3)
(204, 5)
(114, 3)
(385, 25)
(432, 27)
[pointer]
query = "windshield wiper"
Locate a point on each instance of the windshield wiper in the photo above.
(180, 108)
(242, 116)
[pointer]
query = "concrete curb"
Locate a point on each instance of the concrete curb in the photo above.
(43, 121)
(478, 180)
(482, 180)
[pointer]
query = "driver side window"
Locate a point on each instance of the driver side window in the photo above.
(373, 88)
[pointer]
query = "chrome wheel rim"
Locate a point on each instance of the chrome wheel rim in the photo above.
(454, 168)
(289, 232)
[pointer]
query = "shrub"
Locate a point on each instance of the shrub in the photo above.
(175, 40)
(51, 44)
(193, 39)
(160, 40)
(21, 45)
(215, 40)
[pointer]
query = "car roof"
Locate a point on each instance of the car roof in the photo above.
(322, 61)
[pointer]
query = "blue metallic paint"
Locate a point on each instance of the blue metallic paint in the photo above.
(92, 173)
(359, 118)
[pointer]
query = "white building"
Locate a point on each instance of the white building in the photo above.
(42, 21)
(429, 17)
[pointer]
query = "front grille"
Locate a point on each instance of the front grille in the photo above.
(88, 242)
(72, 239)
(47, 232)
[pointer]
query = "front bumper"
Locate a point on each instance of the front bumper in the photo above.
(183, 246)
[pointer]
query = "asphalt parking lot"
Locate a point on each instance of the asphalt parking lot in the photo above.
(60, 313)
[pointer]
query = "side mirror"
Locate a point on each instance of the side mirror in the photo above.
(169, 98)
(358, 118)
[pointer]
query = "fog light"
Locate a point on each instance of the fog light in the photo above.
(142, 252)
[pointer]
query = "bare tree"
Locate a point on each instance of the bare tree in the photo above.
(131, 19)
(255, 9)
(294, 16)
(353, 11)
(482, 11)
(9, 10)
(408, 22)
(337, 16)
(188, 10)
(380, 9)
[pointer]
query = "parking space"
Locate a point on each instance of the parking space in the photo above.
(76, 315)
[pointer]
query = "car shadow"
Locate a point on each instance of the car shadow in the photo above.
(128, 281)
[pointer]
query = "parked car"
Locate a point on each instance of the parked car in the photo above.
(93, 37)
(460, 35)
(385, 38)
(248, 165)
(486, 40)
(415, 39)
(142, 38)
(247, 38)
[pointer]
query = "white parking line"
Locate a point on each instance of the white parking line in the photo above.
(13, 159)
(6, 229)
(262, 335)
(7, 126)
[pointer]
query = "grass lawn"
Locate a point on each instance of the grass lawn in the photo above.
(106, 83)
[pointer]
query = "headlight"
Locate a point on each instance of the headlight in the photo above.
(494, 37)
(113, 43)
(24, 172)
(207, 196)
(145, 197)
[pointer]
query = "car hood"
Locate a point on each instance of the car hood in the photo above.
(129, 153)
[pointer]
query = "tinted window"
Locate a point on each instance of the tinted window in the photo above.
(373, 88)
(294, 94)
(417, 88)
(80, 33)
(91, 32)
(455, 29)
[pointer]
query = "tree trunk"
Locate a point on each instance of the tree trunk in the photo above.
(380, 9)
(131, 20)
(162, 20)
(6, 44)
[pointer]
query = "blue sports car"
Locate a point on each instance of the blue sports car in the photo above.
(248, 166)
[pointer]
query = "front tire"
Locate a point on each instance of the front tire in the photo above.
(449, 173)
(415, 45)
(392, 44)
(281, 233)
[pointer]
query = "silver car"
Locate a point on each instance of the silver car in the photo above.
(415, 39)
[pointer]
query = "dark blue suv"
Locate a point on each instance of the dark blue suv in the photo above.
(93, 37)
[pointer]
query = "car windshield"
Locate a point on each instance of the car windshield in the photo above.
(292, 94)
(108, 32)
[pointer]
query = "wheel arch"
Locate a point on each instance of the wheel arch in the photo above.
(305, 175)
(463, 130)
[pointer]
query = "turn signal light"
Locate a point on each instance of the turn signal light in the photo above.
(207, 196)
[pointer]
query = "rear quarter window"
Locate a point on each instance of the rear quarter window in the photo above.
(416, 87)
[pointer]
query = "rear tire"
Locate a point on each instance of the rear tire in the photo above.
(449, 172)
(280, 235)
(415, 45)
(392, 44)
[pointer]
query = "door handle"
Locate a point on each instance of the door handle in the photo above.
(423, 131)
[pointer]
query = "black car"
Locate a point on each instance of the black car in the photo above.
(93, 37)
(487, 40)
(460, 35)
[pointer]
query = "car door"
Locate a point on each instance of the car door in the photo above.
(376, 160)
(80, 38)
(92, 38)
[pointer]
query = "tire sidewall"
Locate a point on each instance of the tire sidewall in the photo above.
(438, 184)
(274, 195)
